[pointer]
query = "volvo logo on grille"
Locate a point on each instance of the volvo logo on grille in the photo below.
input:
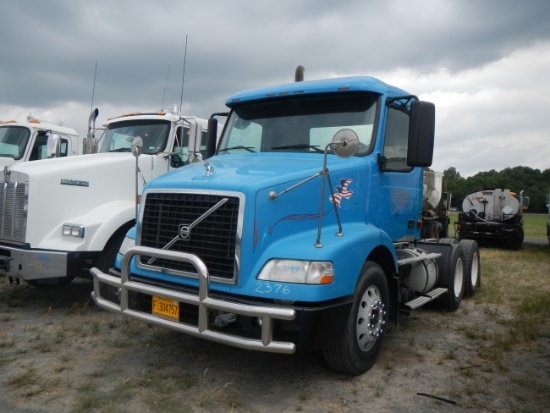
(184, 232)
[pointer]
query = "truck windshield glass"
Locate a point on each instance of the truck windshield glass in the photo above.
(304, 124)
(13, 141)
(119, 136)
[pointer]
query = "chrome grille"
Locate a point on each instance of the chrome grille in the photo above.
(13, 222)
(215, 239)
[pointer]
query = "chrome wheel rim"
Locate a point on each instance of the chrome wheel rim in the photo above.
(371, 316)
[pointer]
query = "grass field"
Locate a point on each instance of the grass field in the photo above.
(534, 225)
(59, 353)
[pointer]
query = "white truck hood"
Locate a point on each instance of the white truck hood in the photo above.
(6, 161)
(87, 189)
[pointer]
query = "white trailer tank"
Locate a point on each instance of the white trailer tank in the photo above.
(492, 204)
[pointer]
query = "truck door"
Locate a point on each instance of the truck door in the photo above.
(400, 195)
(180, 148)
(40, 145)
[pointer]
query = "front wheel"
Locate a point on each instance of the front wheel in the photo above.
(357, 349)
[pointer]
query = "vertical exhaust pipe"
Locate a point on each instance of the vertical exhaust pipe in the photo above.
(90, 142)
(299, 74)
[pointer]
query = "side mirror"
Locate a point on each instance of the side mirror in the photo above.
(53, 146)
(345, 143)
(176, 161)
(421, 134)
(137, 146)
(212, 137)
(194, 147)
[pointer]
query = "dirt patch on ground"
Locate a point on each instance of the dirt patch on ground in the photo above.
(60, 353)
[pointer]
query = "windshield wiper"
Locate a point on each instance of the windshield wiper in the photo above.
(299, 146)
(248, 148)
(121, 150)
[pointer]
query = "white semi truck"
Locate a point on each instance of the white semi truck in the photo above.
(34, 139)
(60, 217)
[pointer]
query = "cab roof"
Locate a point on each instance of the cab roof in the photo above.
(40, 125)
(312, 87)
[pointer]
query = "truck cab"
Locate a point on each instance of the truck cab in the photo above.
(28, 141)
(62, 216)
(301, 231)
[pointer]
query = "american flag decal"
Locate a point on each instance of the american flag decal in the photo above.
(341, 191)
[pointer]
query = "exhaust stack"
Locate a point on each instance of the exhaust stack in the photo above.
(299, 74)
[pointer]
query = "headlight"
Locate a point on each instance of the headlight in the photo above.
(73, 230)
(298, 272)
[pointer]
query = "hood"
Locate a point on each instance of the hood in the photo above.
(84, 190)
(6, 161)
(237, 172)
(77, 164)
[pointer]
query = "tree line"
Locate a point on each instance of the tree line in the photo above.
(534, 184)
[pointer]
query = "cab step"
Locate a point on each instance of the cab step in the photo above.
(423, 299)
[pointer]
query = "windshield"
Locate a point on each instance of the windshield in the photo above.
(13, 141)
(119, 136)
(299, 124)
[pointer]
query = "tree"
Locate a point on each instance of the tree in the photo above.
(533, 182)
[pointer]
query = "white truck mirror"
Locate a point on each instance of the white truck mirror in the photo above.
(195, 137)
(53, 147)
(137, 146)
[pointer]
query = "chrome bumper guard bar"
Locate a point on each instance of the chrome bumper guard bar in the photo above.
(204, 303)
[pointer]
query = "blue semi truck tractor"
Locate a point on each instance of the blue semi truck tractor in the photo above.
(300, 229)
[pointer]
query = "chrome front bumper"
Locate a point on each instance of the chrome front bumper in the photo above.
(205, 304)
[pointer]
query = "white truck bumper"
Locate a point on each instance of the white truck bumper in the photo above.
(32, 264)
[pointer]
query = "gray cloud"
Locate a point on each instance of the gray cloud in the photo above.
(49, 50)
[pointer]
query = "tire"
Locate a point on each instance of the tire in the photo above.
(358, 347)
(453, 279)
(472, 267)
(107, 258)
(517, 241)
(107, 261)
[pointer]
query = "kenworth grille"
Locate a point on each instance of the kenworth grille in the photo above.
(206, 225)
(13, 222)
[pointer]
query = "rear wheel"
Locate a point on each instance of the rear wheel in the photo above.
(472, 267)
(357, 349)
(453, 279)
(517, 240)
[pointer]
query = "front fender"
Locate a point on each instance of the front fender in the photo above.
(100, 224)
(348, 253)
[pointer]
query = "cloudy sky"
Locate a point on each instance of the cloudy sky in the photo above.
(484, 63)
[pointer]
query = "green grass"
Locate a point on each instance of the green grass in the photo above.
(534, 225)
(518, 280)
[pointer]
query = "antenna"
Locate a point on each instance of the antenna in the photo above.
(93, 90)
(183, 78)
(165, 84)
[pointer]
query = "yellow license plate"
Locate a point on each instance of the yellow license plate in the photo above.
(165, 307)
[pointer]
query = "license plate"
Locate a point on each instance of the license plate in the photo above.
(165, 307)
